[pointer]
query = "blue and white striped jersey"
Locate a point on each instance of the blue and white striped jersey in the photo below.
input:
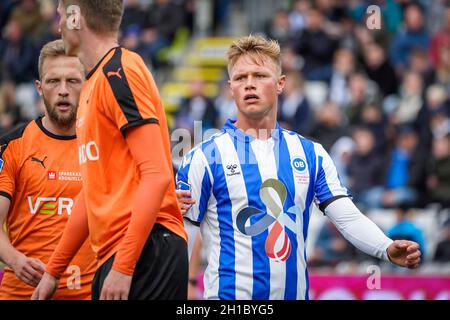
(254, 199)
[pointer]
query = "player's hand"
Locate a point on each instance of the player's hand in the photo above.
(116, 286)
(28, 270)
(46, 288)
(404, 253)
(184, 200)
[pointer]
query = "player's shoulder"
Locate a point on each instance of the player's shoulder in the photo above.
(123, 60)
(15, 134)
(307, 142)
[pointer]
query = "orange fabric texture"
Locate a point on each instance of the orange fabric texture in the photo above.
(41, 177)
(119, 94)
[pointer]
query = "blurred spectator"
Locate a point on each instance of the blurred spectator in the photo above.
(294, 112)
(407, 230)
(329, 126)
(279, 28)
(225, 106)
(337, 75)
(28, 15)
(372, 118)
(18, 55)
(330, 248)
(341, 153)
(420, 63)
(361, 92)
(440, 39)
(405, 174)
(9, 110)
(366, 166)
(439, 172)
(413, 36)
(442, 253)
(133, 16)
(313, 44)
(6, 6)
(298, 15)
(443, 68)
(290, 61)
(197, 107)
(379, 69)
(163, 19)
(404, 107)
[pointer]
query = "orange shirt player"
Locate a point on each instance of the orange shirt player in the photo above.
(39, 180)
(128, 206)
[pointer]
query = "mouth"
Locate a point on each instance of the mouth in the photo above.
(63, 106)
(251, 98)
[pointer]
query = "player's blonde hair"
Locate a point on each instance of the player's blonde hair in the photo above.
(102, 16)
(256, 46)
(51, 49)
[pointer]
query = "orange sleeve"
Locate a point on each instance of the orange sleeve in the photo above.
(74, 235)
(8, 167)
(146, 146)
(130, 97)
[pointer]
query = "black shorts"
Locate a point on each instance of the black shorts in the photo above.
(161, 272)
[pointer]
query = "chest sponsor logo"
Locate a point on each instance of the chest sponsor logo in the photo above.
(63, 176)
(88, 151)
(50, 205)
(51, 175)
(252, 221)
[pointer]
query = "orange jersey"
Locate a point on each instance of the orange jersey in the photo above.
(40, 175)
(119, 93)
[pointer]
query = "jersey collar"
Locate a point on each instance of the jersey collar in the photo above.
(237, 133)
(50, 134)
(99, 63)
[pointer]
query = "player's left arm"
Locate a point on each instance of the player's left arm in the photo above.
(363, 233)
(368, 237)
(155, 178)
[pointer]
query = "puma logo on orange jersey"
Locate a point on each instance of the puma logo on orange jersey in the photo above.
(117, 73)
(39, 161)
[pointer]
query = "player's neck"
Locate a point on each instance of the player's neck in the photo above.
(90, 55)
(56, 129)
(261, 128)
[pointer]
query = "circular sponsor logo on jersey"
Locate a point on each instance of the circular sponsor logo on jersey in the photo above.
(298, 164)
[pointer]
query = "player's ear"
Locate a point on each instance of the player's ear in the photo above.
(281, 83)
(38, 86)
(229, 88)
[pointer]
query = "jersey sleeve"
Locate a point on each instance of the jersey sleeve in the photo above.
(131, 96)
(8, 165)
(328, 187)
(194, 174)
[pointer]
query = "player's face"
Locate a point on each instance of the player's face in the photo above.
(60, 87)
(255, 84)
(69, 29)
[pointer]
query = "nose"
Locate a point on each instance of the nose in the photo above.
(249, 83)
(63, 90)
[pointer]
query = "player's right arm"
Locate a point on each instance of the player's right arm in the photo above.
(74, 235)
(29, 270)
(194, 184)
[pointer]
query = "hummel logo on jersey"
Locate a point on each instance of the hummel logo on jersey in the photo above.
(232, 170)
(117, 73)
(39, 161)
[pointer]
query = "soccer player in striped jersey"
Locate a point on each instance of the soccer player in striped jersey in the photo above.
(128, 206)
(253, 185)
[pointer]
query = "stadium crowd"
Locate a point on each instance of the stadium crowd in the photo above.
(378, 100)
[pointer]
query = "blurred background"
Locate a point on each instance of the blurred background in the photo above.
(373, 89)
